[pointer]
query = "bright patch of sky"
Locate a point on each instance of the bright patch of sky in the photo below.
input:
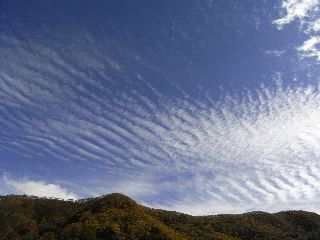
(197, 106)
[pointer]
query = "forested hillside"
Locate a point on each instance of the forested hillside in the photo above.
(117, 217)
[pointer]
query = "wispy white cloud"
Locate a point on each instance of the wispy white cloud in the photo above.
(275, 52)
(307, 12)
(253, 150)
(297, 9)
(38, 188)
(310, 48)
(315, 26)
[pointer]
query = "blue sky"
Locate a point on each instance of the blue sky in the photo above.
(198, 106)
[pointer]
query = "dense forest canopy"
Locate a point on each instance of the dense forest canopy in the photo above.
(117, 217)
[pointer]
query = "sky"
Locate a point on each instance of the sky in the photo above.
(203, 107)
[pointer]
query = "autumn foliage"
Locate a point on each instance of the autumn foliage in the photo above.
(117, 217)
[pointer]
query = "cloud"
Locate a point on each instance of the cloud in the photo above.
(38, 188)
(310, 48)
(276, 52)
(250, 150)
(307, 12)
(297, 9)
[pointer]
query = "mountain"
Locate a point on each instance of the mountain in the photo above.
(117, 217)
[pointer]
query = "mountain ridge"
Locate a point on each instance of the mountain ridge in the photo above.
(118, 217)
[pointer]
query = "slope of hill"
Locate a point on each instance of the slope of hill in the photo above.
(116, 216)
